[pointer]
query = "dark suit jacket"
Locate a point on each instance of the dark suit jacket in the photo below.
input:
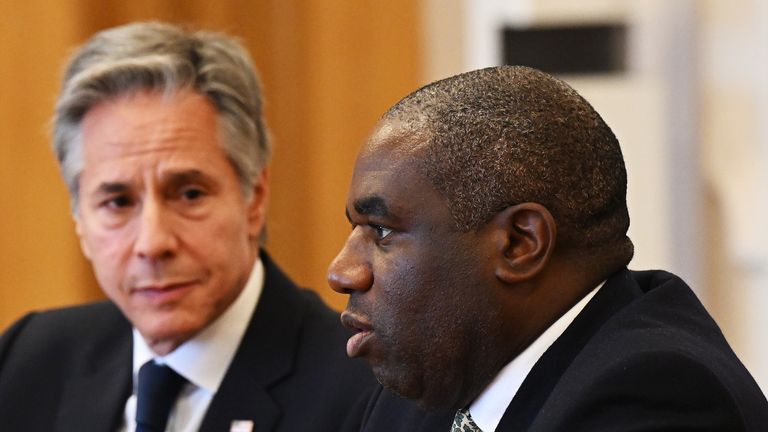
(643, 355)
(70, 369)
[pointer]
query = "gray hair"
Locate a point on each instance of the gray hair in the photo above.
(167, 58)
(496, 137)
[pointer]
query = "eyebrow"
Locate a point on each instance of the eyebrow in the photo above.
(108, 188)
(187, 177)
(371, 205)
(176, 179)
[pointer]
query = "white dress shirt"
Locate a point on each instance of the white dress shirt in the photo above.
(202, 360)
(488, 409)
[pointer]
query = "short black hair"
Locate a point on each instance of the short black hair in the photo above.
(505, 135)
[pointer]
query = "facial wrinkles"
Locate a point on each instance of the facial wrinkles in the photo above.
(151, 127)
(425, 334)
(414, 323)
(150, 189)
(438, 318)
(149, 271)
(421, 302)
(449, 310)
(117, 161)
(144, 230)
(152, 139)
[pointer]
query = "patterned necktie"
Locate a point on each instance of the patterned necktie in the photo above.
(463, 422)
(159, 386)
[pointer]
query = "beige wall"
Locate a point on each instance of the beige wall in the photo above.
(330, 68)
(40, 265)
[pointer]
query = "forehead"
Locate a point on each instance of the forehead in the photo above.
(148, 117)
(150, 129)
(386, 151)
(388, 173)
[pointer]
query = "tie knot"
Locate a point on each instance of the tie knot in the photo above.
(158, 388)
(463, 422)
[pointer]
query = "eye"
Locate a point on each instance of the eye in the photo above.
(117, 202)
(381, 232)
(192, 193)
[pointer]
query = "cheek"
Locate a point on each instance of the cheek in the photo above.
(433, 295)
(220, 245)
(108, 250)
(226, 232)
(409, 299)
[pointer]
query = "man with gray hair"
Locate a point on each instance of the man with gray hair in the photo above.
(487, 280)
(161, 141)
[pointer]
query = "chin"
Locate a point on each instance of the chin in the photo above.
(428, 396)
(398, 381)
(169, 330)
(410, 385)
(427, 401)
(438, 401)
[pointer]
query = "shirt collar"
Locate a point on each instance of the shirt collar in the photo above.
(204, 359)
(490, 406)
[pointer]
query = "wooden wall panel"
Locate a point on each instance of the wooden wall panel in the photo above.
(359, 60)
(40, 264)
(329, 68)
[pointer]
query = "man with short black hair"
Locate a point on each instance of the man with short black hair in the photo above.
(161, 141)
(487, 280)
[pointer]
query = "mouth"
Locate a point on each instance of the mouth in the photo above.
(357, 345)
(162, 292)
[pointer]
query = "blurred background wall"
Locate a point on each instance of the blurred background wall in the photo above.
(329, 69)
(686, 94)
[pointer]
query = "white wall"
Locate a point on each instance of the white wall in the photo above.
(733, 60)
(691, 113)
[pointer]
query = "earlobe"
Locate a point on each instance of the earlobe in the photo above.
(257, 207)
(526, 241)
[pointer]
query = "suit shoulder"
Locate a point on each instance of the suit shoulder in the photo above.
(307, 342)
(57, 331)
(324, 338)
(320, 313)
(665, 317)
(283, 301)
(657, 356)
(654, 390)
(75, 320)
(660, 374)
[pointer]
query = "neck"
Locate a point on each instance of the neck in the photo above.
(163, 347)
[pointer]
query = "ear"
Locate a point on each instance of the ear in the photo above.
(79, 230)
(526, 235)
(257, 207)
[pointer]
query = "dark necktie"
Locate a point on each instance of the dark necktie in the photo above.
(159, 386)
(463, 422)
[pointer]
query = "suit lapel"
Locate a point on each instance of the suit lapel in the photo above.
(264, 357)
(94, 399)
(617, 292)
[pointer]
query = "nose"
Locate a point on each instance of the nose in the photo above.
(350, 271)
(155, 239)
